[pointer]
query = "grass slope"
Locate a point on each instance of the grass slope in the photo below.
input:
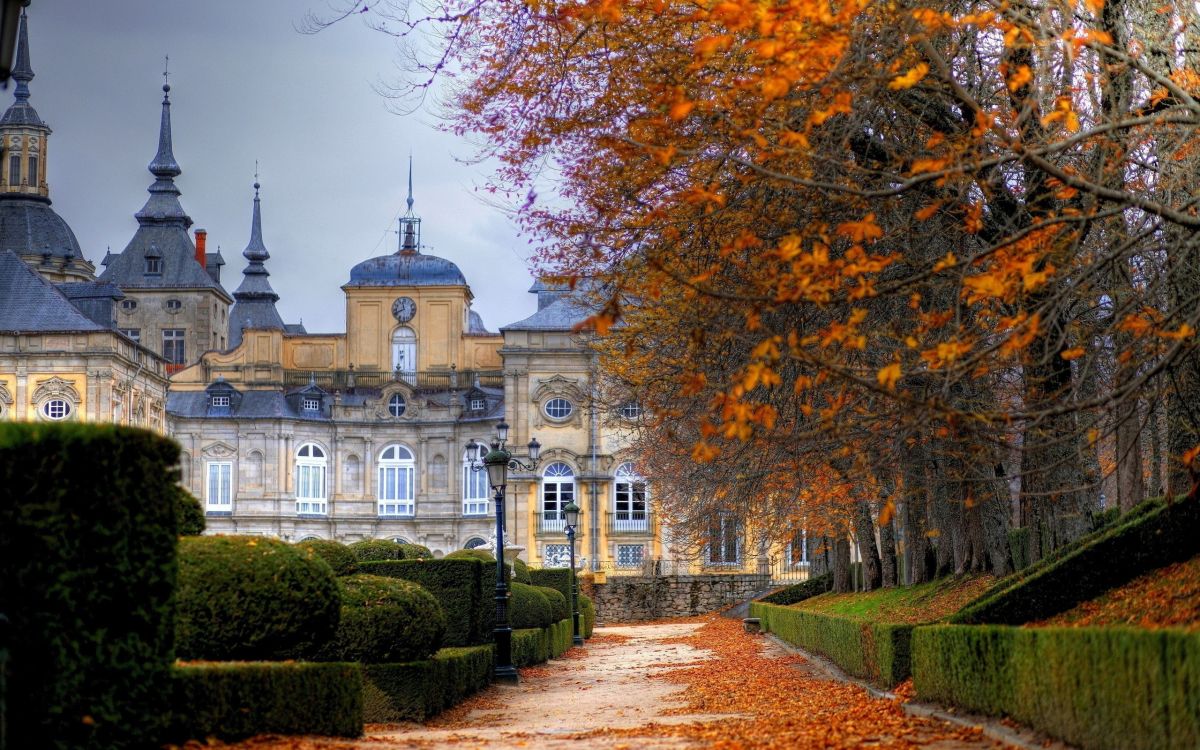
(926, 602)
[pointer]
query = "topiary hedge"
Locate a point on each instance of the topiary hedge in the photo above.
(189, 512)
(1105, 688)
(587, 616)
(417, 690)
(457, 584)
(521, 571)
(536, 645)
(800, 591)
(874, 651)
(248, 598)
(1150, 536)
(384, 620)
(528, 607)
(377, 549)
(555, 578)
(340, 558)
(559, 609)
(88, 526)
(237, 700)
(415, 551)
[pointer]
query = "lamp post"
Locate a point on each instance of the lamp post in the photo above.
(571, 513)
(497, 462)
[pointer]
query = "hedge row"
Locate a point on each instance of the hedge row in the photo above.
(1104, 688)
(457, 584)
(587, 616)
(555, 578)
(1150, 536)
(384, 620)
(874, 651)
(800, 591)
(417, 690)
(235, 700)
(88, 526)
(536, 645)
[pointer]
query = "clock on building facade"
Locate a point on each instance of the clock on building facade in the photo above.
(403, 309)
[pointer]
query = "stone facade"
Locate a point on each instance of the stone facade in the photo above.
(639, 598)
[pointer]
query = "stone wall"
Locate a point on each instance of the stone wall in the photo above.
(636, 598)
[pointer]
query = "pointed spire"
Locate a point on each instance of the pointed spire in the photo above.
(164, 165)
(256, 252)
(410, 198)
(163, 206)
(254, 299)
(22, 72)
(410, 225)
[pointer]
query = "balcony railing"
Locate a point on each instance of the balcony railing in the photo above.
(630, 522)
(432, 380)
(551, 524)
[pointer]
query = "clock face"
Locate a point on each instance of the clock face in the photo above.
(404, 309)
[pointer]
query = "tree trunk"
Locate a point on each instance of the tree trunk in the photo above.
(841, 565)
(913, 523)
(864, 529)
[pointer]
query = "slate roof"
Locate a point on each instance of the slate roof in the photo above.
(30, 304)
(561, 315)
(406, 268)
(476, 326)
(251, 405)
(255, 299)
(29, 226)
(90, 290)
(294, 328)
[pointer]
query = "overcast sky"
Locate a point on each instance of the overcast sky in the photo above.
(246, 85)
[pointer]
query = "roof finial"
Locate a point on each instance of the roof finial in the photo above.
(164, 165)
(410, 198)
(166, 72)
(22, 71)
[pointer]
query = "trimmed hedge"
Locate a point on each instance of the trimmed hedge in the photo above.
(559, 608)
(800, 591)
(457, 584)
(237, 700)
(249, 597)
(190, 513)
(377, 549)
(415, 552)
(536, 645)
(338, 555)
(89, 527)
(555, 578)
(417, 690)
(1150, 536)
(1110, 688)
(384, 620)
(528, 607)
(878, 652)
(587, 616)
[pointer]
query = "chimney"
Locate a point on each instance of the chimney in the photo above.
(201, 241)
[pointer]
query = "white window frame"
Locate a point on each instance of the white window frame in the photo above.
(397, 400)
(395, 489)
(218, 485)
(312, 469)
(404, 352)
(478, 404)
(308, 403)
(476, 495)
(220, 401)
(66, 411)
(570, 409)
(558, 490)
(631, 410)
(627, 486)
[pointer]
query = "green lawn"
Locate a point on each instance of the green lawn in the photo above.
(926, 602)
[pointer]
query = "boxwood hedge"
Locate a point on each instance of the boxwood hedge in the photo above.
(190, 513)
(528, 607)
(536, 645)
(457, 584)
(250, 597)
(587, 616)
(800, 591)
(555, 578)
(339, 556)
(415, 551)
(377, 549)
(384, 620)
(559, 609)
(1110, 688)
(417, 690)
(88, 527)
(234, 700)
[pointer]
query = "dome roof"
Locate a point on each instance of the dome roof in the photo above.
(28, 226)
(406, 269)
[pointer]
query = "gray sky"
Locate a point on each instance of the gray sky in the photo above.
(245, 85)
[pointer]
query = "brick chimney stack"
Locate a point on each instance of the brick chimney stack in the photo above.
(201, 243)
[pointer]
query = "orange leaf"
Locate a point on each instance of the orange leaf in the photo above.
(680, 110)
(1074, 353)
(888, 376)
(911, 78)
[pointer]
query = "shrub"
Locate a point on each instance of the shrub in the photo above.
(481, 555)
(189, 512)
(337, 555)
(236, 700)
(555, 578)
(377, 549)
(521, 571)
(243, 597)
(800, 591)
(1104, 688)
(528, 607)
(559, 608)
(88, 526)
(415, 552)
(384, 620)
(417, 690)
(529, 646)
(587, 616)
(457, 584)
(1150, 536)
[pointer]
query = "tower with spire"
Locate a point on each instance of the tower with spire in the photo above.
(174, 305)
(410, 223)
(28, 226)
(254, 299)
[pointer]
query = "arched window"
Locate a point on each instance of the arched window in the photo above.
(629, 497)
(395, 490)
(558, 491)
(404, 353)
(475, 489)
(474, 543)
(311, 495)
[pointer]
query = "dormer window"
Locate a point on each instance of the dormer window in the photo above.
(478, 404)
(153, 266)
(311, 404)
(220, 401)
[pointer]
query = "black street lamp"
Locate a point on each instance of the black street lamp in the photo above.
(497, 462)
(571, 514)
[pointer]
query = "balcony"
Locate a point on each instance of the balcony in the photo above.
(630, 523)
(429, 380)
(550, 523)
